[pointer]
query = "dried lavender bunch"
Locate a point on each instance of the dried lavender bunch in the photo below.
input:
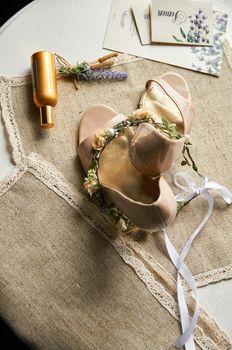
(95, 71)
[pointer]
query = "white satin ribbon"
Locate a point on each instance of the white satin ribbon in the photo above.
(191, 191)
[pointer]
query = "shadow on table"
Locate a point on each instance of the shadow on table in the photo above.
(9, 339)
(11, 8)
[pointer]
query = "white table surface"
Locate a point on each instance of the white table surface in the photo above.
(75, 29)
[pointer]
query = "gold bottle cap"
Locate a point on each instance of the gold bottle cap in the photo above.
(47, 117)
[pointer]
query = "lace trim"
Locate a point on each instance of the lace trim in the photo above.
(130, 251)
(9, 120)
(53, 179)
(228, 51)
(213, 276)
(12, 177)
(18, 81)
(219, 336)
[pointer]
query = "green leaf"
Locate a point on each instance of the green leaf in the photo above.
(178, 40)
(186, 160)
(182, 33)
(165, 123)
(195, 168)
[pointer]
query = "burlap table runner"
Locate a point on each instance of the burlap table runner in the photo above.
(63, 285)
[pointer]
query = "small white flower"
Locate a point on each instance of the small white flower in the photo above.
(121, 225)
(110, 132)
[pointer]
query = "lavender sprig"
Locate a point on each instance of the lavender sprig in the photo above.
(106, 74)
(98, 69)
(83, 71)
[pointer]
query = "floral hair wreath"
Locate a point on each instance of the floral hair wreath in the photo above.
(92, 184)
(93, 187)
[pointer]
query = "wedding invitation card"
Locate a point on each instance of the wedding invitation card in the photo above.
(183, 22)
(142, 16)
(122, 36)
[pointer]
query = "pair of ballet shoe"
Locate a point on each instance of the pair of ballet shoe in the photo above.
(131, 165)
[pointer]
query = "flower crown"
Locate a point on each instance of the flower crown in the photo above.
(100, 140)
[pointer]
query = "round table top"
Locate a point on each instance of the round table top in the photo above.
(75, 29)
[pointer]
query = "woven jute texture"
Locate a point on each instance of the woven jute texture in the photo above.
(63, 286)
(66, 281)
(211, 138)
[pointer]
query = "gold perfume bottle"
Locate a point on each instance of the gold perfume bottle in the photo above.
(44, 86)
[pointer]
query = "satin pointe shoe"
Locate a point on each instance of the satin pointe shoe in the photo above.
(153, 152)
(149, 204)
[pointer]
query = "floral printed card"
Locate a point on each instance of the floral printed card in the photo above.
(182, 22)
(122, 36)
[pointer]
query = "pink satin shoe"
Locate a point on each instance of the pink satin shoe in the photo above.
(152, 152)
(150, 204)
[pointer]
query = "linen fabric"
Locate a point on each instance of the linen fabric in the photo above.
(67, 280)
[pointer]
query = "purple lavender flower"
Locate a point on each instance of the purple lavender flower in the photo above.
(99, 74)
(198, 30)
(209, 59)
(220, 22)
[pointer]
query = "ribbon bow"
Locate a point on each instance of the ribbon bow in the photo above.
(191, 191)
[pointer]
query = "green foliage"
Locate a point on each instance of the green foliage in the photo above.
(178, 40)
(169, 129)
(81, 71)
(188, 159)
(182, 33)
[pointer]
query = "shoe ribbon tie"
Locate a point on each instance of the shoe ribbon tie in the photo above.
(191, 191)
